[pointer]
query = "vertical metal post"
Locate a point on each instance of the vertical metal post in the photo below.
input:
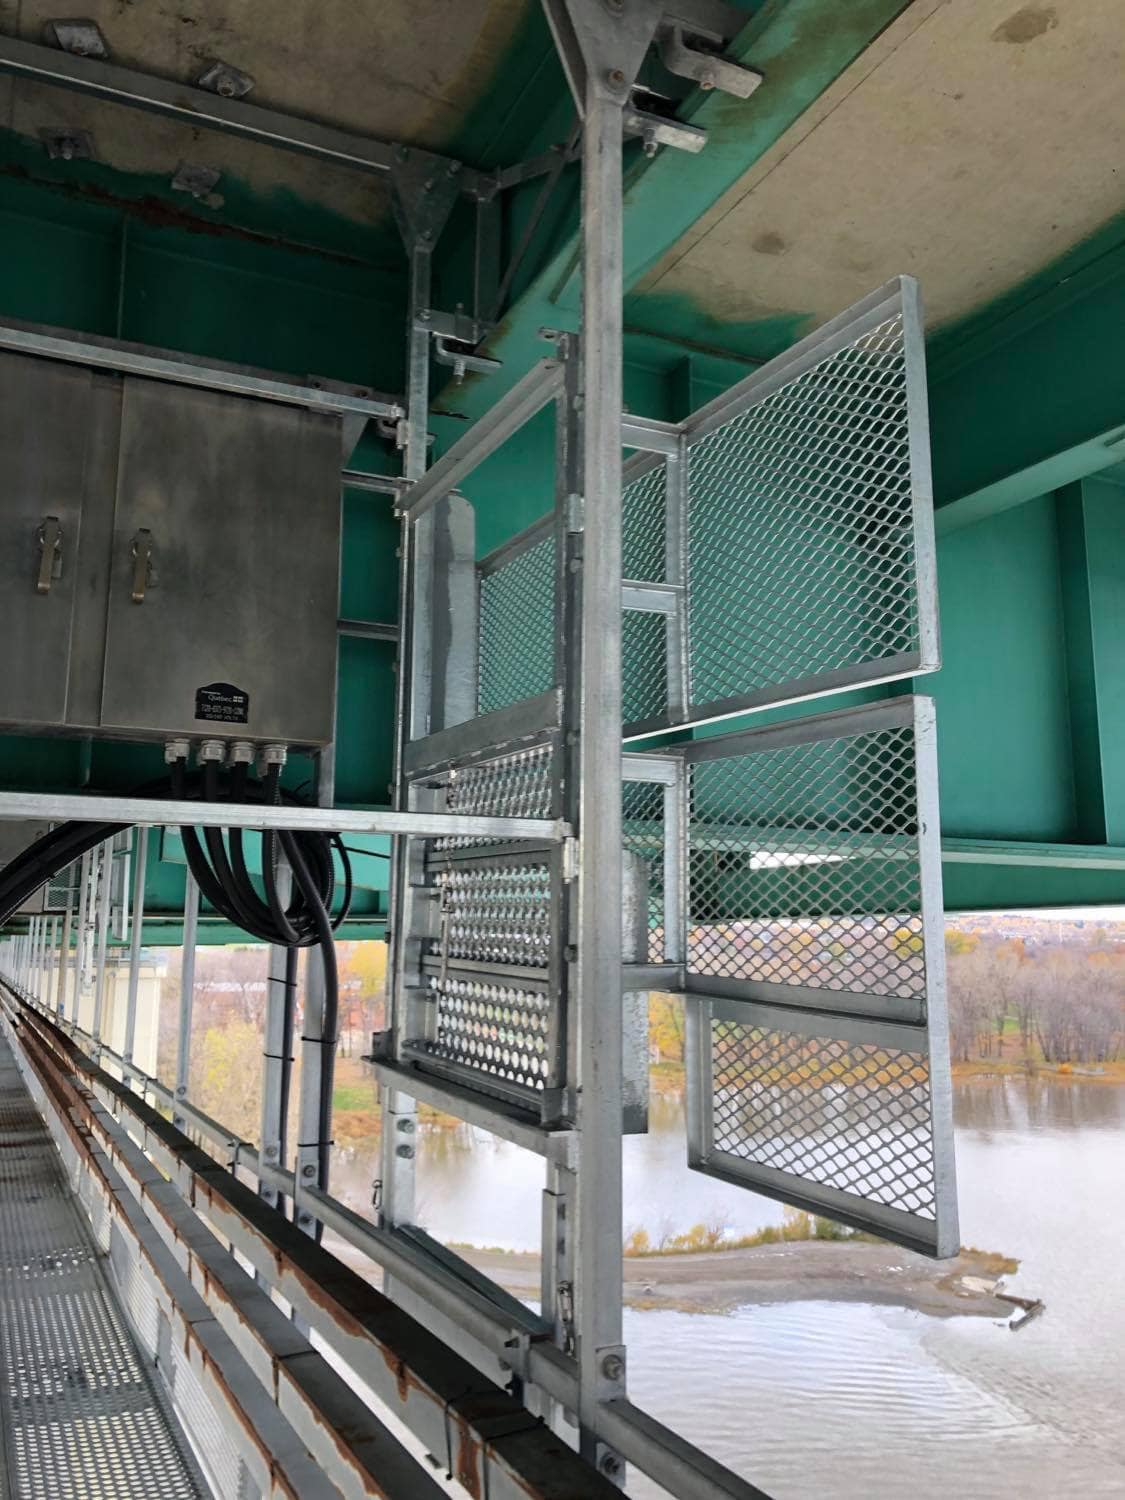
(278, 999)
(187, 997)
(105, 890)
(423, 199)
(53, 964)
(135, 941)
(676, 867)
(598, 978)
(80, 935)
(64, 948)
(307, 1172)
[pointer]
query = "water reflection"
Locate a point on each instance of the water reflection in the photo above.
(862, 1402)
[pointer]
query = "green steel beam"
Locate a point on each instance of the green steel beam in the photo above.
(1091, 525)
(801, 47)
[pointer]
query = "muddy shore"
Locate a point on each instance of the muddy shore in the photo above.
(806, 1270)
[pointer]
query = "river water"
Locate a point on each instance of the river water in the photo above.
(863, 1402)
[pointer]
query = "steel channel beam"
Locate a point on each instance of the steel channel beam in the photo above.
(375, 484)
(136, 943)
(63, 807)
(204, 110)
(495, 733)
(185, 369)
(526, 398)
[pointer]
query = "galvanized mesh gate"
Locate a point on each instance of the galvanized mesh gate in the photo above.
(777, 547)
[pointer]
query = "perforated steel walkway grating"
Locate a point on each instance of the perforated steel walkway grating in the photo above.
(82, 1419)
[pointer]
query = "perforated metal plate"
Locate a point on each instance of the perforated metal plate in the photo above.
(820, 1070)
(497, 1033)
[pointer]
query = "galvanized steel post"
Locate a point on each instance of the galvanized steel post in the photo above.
(187, 997)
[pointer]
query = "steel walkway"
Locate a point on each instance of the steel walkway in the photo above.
(81, 1416)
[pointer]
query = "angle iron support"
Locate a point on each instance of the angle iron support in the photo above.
(187, 999)
(136, 941)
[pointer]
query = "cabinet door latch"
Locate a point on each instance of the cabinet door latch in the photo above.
(50, 554)
(144, 571)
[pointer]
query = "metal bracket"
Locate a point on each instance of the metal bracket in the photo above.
(229, 83)
(50, 554)
(705, 67)
(65, 144)
(144, 572)
(81, 38)
(659, 130)
(461, 360)
(424, 190)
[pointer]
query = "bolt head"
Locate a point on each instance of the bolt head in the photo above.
(225, 86)
(611, 1465)
(613, 1367)
(406, 1152)
(271, 1152)
(617, 78)
(308, 1170)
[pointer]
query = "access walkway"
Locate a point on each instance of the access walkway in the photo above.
(82, 1416)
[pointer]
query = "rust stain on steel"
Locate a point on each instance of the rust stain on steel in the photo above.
(471, 1458)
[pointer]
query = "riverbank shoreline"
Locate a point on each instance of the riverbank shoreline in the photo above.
(718, 1281)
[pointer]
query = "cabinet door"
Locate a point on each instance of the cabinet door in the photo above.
(229, 629)
(44, 423)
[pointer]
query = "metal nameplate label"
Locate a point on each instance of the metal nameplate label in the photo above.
(222, 703)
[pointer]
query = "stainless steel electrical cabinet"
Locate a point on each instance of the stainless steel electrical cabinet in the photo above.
(169, 559)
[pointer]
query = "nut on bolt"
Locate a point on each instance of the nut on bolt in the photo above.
(613, 1367)
(611, 1465)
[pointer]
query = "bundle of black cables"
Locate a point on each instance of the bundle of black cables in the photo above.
(218, 864)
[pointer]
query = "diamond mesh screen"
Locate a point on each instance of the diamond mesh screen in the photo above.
(644, 666)
(517, 627)
(642, 814)
(804, 865)
(822, 1110)
(643, 525)
(501, 1031)
(801, 540)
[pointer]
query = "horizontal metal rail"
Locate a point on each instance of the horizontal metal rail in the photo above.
(186, 369)
(204, 110)
(493, 734)
(527, 397)
(155, 812)
(650, 435)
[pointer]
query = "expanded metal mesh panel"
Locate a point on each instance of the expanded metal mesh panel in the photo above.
(511, 786)
(496, 913)
(643, 527)
(500, 1031)
(644, 666)
(642, 819)
(802, 544)
(822, 1110)
(81, 1415)
(805, 864)
(517, 627)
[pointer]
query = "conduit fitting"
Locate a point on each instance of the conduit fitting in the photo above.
(272, 755)
(212, 750)
(175, 750)
(241, 753)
